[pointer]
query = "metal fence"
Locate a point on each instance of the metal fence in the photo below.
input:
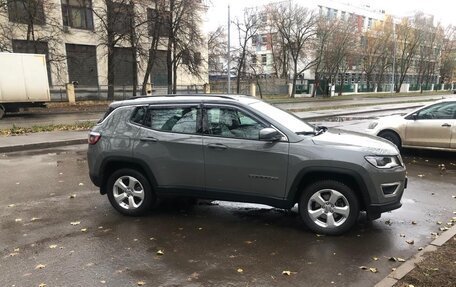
(59, 94)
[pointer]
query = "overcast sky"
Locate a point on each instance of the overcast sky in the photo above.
(443, 10)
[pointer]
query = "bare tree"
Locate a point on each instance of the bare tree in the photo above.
(217, 49)
(297, 26)
(408, 41)
(448, 55)
(247, 29)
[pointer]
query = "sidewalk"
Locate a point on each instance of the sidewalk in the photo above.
(42, 140)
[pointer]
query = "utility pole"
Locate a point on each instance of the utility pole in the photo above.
(229, 52)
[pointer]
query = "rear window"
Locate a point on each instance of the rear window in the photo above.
(108, 112)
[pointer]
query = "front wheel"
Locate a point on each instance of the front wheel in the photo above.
(392, 137)
(130, 192)
(329, 207)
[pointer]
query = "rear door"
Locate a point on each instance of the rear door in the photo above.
(432, 126)
(170, 142)
(236, 161)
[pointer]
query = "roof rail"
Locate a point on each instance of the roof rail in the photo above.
(231, 97)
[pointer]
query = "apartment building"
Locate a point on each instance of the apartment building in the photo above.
(72, 36)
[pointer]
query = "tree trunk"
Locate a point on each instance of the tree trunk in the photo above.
(111, 75)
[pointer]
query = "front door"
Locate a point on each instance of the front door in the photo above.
(236, 161)
(431, 126)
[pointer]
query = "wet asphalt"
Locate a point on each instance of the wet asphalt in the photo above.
(58, 230)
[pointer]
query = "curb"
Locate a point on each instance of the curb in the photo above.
(410, 264)
(23, 147)
(358, 112)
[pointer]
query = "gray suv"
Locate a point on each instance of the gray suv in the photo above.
(239, 148)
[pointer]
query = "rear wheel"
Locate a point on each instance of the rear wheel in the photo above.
(130, 192)
(392, 137)
(329, 207)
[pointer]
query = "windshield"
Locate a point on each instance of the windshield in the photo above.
(290, 121)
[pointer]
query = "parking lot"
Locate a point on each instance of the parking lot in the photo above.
(58, 230)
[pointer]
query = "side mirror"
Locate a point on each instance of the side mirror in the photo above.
(270, 134)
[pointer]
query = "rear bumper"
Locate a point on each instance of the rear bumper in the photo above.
(95, 179)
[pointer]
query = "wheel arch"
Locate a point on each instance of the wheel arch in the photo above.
(311, 175)
(112, 164)
(391, 131)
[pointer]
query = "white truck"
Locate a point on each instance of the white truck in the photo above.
(23, 82)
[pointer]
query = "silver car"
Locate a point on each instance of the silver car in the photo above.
(238, 148)
(430, 127)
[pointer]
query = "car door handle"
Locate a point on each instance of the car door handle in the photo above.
(148, 139)
(446, 125)
(217, 146)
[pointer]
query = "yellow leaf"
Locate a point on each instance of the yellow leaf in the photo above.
(42, 285)
(53, 246)
(40, 266)
(375, 258)
(160, 252)
(18, 219)
(286, 272)
(240, 270)
(83, 229)
(141, 283)
(75, 222)
(373, 270)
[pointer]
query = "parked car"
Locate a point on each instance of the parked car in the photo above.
(430, 127)
(238, 148)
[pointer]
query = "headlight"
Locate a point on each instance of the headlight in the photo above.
(384, 162)
(372, 125)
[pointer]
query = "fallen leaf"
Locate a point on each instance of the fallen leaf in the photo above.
(402, 235)
(83, 229)
(240, 270)
(13, 254)
(18, 219)
(248, 242)
(394, 259)
(42, 285)
(393, 269)
(72, 196)
(286, 272)
(12, 205)
(420, 248)
(363, 267)
(81, 184)
(375, 258)
(414, 222)
(410, 241)
(53, 246)
(160, 252)
(16, 249)
(40, 266)
(420, 175)
(141, 283)
(34, 219)
(434, 234)
(75, 223)
(388, 222)
(400, 259)
(439, 222)
(103, 282)
(373, 270)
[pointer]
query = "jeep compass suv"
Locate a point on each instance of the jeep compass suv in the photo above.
(239, 148)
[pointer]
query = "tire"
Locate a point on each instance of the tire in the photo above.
(130, 192)
(392, 137)
(329, 200)
(2, 111)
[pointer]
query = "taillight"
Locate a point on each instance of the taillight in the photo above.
(94, 137)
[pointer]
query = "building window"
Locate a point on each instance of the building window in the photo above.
(82, 64)
(26, 11)
(120, 17)
(123, 69)
(33, 47)
(254, 59)
(264, 59)
(160, 18)
(159, 74)
(264, 40)
(77, 14)
(369, 23)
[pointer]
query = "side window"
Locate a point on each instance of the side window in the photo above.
(232, 123)
(438, 111)
(179, 120)
(138, 115)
